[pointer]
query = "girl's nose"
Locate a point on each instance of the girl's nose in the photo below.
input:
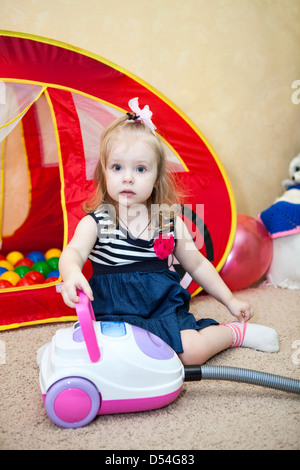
(128, 177)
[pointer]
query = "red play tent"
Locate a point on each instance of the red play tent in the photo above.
(55, 101)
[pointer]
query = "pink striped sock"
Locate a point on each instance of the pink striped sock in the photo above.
(250, 335)
(238, 330)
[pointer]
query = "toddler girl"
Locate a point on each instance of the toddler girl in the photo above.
(128, 234)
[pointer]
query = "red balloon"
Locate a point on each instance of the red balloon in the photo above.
(251, 254)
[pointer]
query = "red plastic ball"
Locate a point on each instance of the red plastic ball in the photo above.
(35, 276)
(5, 284)
(23, 282)
(24, 262)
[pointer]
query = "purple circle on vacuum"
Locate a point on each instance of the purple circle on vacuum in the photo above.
(152, 345)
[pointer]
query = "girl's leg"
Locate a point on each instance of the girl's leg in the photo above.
(201, 345)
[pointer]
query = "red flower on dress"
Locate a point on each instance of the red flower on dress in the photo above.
(164, 245)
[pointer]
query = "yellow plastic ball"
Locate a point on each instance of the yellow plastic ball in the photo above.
(14, 256)
(7, 265)
(10, 276)
(52, 253)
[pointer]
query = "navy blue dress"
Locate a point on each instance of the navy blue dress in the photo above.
(131, 284)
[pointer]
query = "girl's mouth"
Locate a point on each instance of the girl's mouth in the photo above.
(127, 193)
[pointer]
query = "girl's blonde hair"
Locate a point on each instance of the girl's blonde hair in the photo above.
(126, 128)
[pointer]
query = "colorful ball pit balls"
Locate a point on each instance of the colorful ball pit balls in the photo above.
(52, 253)
(36, 256)
(53, 276)
(10, 276)
(54, 273)
(14, 256)
(5, 284)
(35, 268)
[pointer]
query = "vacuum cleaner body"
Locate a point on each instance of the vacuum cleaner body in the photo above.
(96, 368)
(133, 370)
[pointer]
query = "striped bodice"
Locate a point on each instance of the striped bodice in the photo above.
(116, 247)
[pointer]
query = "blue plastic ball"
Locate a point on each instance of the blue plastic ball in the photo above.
(54, 273)
(36, 256)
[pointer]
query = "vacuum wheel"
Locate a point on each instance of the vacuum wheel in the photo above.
(72, 402)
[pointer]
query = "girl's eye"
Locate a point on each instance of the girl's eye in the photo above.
(141, 169)
(117, 167)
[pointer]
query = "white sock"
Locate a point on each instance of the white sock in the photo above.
(250, 335)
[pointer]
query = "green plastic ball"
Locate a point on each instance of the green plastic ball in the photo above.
(42, 267)
(53, 263)
(22, 270)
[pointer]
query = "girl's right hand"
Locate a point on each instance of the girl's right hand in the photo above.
(71, 285)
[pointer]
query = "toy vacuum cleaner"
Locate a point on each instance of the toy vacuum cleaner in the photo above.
(96, 368)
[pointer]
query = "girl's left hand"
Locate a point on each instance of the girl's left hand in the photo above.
(240, 309)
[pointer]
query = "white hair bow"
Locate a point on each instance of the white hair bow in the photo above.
(143, 114)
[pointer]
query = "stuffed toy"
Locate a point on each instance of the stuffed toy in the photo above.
(294, 173)
(282, 220)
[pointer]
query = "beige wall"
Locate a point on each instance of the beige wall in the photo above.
(228, 64)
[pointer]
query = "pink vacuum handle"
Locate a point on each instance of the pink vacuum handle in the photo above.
(85, 313)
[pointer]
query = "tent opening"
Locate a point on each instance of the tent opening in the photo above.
(30, 201)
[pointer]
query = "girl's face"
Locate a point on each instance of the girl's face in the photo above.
(131, 173)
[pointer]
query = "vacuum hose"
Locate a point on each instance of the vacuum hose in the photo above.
(235, 374)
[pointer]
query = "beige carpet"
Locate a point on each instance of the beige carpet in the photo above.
(207, 415)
